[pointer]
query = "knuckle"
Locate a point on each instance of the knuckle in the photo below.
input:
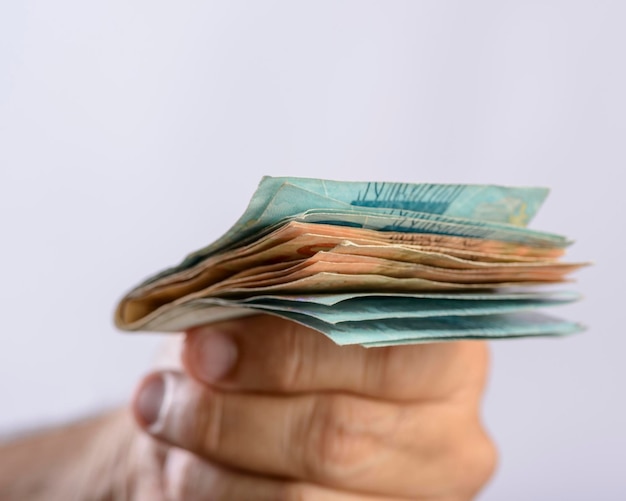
(381, 368)
(178, 474)
(462, 454)
(474, 463)
(293, 373)
(392, 369)
(486, 462)
(209, 425)
(333, 446)
(475, 358)
(294, 492)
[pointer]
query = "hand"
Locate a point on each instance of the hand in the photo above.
(274, 410)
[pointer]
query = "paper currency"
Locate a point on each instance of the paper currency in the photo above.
(370, 263)
(280, 198)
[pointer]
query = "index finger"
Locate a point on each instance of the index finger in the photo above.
(268, 354)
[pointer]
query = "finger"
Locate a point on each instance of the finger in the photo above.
(188, 477)
(147, 464)
(339, 441)
(265, 353)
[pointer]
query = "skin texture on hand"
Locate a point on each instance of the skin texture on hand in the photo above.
(271, 410)
(95, 459)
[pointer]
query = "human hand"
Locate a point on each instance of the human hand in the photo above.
(277, 411)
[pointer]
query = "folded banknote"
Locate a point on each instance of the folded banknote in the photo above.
(371, 263)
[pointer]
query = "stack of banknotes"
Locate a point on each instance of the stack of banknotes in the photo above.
(371, 263)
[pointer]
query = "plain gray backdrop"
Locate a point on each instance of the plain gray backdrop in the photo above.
(132, 132)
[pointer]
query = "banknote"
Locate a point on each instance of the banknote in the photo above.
(390, 331)
(328, 262)
(297, 240)
(482, 202)
(371, 263)
(435, 224)
(277, 199)
(288, 246)
(386, 331)
(354, 307)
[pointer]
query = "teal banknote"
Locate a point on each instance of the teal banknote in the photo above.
(393, 331)
(354, 308)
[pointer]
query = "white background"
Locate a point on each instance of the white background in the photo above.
(133, 132)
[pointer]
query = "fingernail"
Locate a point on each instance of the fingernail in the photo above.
(216, 355)
(149, 400)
